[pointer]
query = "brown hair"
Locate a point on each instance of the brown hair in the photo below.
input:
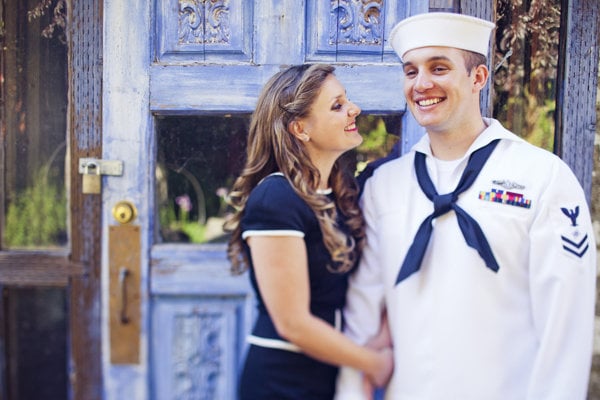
(473, 60)
(289, 94)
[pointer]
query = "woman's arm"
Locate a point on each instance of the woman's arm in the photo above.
(281, 268)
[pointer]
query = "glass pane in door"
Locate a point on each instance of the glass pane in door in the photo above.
(33, 204)
(198, 160)
(35, 343)
(200, 157)
(34, 89)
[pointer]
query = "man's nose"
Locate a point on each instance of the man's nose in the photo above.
(423, 81)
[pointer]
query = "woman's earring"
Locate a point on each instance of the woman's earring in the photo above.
(304, 137)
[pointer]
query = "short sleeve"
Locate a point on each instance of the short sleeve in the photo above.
(274, 209)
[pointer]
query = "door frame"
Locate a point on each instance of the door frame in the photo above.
(85, 49)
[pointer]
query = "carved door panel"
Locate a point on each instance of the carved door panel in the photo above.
(180, 81)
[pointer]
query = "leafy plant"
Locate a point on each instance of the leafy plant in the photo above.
(37, 216)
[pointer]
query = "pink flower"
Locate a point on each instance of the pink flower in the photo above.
(184, 202)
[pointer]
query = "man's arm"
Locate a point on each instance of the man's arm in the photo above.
(562, 269)
(364, 301)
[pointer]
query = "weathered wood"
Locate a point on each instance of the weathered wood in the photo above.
(85, 133)
(37, 269)
(235, 88)
(130, 136)
(577, 85)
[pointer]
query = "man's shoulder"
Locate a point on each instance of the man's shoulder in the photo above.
(398, 165)
(527, 151)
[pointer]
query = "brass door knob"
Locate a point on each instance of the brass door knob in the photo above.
(124, 212)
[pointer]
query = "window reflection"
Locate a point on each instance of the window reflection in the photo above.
(199, 158)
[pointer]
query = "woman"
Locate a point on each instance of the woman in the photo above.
(299, 230)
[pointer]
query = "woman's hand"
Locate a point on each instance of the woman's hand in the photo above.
(382, 342)
(382, 375)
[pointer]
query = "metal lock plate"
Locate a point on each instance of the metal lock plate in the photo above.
(124, 293)
(105, 167)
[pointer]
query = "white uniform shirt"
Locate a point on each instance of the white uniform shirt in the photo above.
(461, 331)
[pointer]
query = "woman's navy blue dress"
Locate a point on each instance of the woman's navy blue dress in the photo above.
(275, 369)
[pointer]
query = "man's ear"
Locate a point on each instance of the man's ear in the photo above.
(480, 77)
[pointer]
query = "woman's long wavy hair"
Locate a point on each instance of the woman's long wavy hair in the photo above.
(288, 95)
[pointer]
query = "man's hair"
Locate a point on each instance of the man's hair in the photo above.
(473, 60)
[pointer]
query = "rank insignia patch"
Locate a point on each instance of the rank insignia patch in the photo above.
(505, 197)
(572, 241)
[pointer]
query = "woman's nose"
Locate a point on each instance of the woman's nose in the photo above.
(354, 110)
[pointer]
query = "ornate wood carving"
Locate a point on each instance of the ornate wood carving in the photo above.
(358, 22)
(198, 340)
(204, 22)
(204, 30)
(354, 30)
(197, 355)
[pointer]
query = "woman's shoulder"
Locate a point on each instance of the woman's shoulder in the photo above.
(274, 203)
(276, 194)
(274, 188)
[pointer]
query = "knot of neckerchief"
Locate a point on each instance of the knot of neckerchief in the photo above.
(442, 204)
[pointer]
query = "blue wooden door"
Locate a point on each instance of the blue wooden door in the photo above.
(178, 75)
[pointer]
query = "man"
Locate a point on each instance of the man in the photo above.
(479, 245)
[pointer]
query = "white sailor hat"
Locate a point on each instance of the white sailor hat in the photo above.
(441, 29)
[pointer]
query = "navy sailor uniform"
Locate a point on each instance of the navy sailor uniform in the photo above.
(461, 330)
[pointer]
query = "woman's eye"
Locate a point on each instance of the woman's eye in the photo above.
(336, 106)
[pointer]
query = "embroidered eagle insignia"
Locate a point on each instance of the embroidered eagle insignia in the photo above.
(571, 241)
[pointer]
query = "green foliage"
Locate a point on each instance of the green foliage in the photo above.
(542, 129)
(37, 216)
(176, 228)
(530, 117)
(377, 142)
(525, 66)
(194, 230)
(375, 139)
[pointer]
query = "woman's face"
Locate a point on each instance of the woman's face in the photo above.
(331, 123)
